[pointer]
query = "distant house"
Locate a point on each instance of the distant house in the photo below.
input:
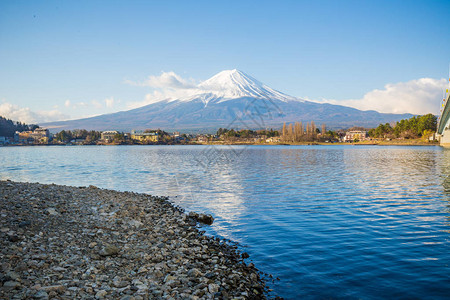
(143, 137)
(42, 132)
(353, 135)
(108, 136)
(274, 139)
(177, 137)
(22, 137)
(38, 136)
(202, 139)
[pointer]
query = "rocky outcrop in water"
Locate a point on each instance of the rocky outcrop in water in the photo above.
(66, 242)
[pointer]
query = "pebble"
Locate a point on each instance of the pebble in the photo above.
(194, 273)
(12, 275)
(13, 238)
(52, 211)
(101, 294)
(201, 218)
(108, 250)
(41, 295)
(54, 288)
(213, 288)
(24, 224)
(10, 285)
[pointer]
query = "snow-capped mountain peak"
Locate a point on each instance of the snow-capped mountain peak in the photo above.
(232, 84)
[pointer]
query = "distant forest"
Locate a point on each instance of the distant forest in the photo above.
(411, 128)
(8, 127)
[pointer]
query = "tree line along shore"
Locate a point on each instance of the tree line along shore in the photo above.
(416, 130)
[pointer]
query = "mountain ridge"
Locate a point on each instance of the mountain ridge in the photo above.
(230, 99)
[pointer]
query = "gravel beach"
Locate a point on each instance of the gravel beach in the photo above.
(67, 242)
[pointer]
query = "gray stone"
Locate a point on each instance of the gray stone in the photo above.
(51, 211)
(194, 273)
(11, 285)
(41, 295)
(54, 288)
(108, 250)
(11, 275)
(101, 294)
(205, 219)
(193, 215)
(135, 223)
(213, 288)
(120, 283)
(13, 238)
(24, 223)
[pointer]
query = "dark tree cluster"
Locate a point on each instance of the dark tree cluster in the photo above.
(66, 136)
(8, 127)
(269, 133)
(230, 133)
(246, 133)
(164, 137)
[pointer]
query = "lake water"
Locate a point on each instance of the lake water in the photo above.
(330, 221)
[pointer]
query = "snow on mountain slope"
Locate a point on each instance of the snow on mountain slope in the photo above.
(233, 84)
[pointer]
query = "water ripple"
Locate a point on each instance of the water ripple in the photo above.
(330, 222)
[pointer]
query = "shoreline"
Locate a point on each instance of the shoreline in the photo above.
(383, 143)
(85, 242)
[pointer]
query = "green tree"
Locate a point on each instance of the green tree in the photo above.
(64, 136)
(119, 138)
(426, 122)
(93, 136)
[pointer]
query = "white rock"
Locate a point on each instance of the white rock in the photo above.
(135, 223)
(52, 211)
(213, 288)
(101, 294)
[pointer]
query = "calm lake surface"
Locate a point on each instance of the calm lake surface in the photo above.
(330, 221)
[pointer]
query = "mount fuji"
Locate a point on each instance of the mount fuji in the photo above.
(229, 99)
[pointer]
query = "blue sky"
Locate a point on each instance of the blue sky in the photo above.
(70, 59)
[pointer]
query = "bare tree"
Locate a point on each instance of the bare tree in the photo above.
(297, 133)
(302, 132)
(291, 133)
(313, 129)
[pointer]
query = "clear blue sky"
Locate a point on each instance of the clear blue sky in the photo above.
(53, 51)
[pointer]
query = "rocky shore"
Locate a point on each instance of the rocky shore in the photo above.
(66, 242)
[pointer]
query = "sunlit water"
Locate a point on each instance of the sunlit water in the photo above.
(330, 221)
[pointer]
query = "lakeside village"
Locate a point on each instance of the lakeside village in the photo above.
(416, 130)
